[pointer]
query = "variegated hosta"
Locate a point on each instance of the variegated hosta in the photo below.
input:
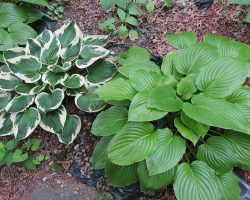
(186, 122)
(36, 80)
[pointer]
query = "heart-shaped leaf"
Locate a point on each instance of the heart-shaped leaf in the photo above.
(53, 79)
(19, 104)
(8, 82)
(74, 81)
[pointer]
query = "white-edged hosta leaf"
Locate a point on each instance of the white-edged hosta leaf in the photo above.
(100, 153)
(101, 71)
(4, 69)
(72, 51)
(121, 176)
(218, 153)
(75, 92)
(45, 37)
(110, 122)
(90, 101)
(24, 88)
(8, 82)
(169, 152)
(53, 121)
(139, 110)
(196, 181)
(37, 89)
(155, 182)
(74, 81)
(70, 130)
(14, 52)
(135, 142)
(26, 68)
(164, 98)
(118, 89)
(25, 123)
(100, 40)
(53, 79)
(216, 112)
(49, 101)
(33, 47)
(19, 104)
(60, 69)
(6, 124)
(186, 88)
(193, 59)
(182, 40)
(240, 96)
(5, 98)
(221, 77)
(89, 55)
(230, 186)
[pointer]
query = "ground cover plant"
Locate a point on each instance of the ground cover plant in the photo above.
(40, 81)
(245, 3)
(185, 123)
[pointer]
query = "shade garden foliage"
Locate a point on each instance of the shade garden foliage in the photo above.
(38, 82)
(184, 123)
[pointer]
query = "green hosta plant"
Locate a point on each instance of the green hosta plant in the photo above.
(186, 122)
(53, 69)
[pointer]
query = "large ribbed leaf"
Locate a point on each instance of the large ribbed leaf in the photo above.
(121, 176)
(100, 154)
(241, 96)
(37, 2)
(8, 82)
(230, 186)
(221, 77)
(169, 152)
(110, 122)
(196, 181)
(4, 100)
(19, 104)
(134, 143)
(6, 124)
(118, 89)
(6, 40)
(155, 182)
(182, 40)
(218, 153)
(186, 88)
(216, 112)
(139, 110)
(193, 59)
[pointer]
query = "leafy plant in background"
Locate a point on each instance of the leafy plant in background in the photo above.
(56, 9)
(186, 122)
(34, 2)
(243, 2)
(12, 153)
(36, 80)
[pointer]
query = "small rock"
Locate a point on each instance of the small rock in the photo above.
(76, 147)
(75, 192)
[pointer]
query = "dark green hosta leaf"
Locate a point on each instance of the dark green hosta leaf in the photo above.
(134, 143)
(37, 2)
(4, 100)
(45, 37)
(72, 52)
(182, 40)
(169, 152)
(33, 14)
(74, 81)
(37, 89)
(121, 176)
(164, 98)
(60, 68)
(186, 88)
(196, 181)
(155, 182)
(19, 104)
(70, 130)
(24, 88)
(216, 112)
(8, 82)
(139, 110)
(240, 96)
(118, 89)
(53, 79)
(101, 71)
(49, 101)
(25, 123)
(6, 124)
(110, 122)
(75, 92)
(218, 153)
(53, 121)
(100, 154)
(221, 77)
(100, 40)
(6, 40)
(33, 47)
(14, 52)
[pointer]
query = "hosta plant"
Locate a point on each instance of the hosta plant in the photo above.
(186, 122)
(40, 81)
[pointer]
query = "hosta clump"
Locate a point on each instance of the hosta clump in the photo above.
(36, 80)
(186, 122)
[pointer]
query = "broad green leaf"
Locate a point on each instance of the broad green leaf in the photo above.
(122, 31)
(240, 2)
(186, 88)
(53, 121)
(35, 144)
(100, 40)
(24, 88)
(11, 145)
(133, 9)
(164, 98)
(14, 52)
(108, 4)
(33, 47)
(169, 152)
(49, 101)
(134, 143)
(150, 6)
(139, 110)
(133, 35)
(8, 82)
(110, 122)
(221, 77)
(218, 153)
(37, 89)
(247, 18)
(6, 124)
(155, 182)
(70, 130)
(240, 96)
(6, 41)
(19, 156)
(4, 100)
(74, 81)
(170, 4)
(121, 14)
(54, 79)
(72, 51)
(25, 123)
(118, 89)
(45, 37)
(216, 112)
(132, 21)
(181, 40)
(19, 104)
(121, 176)
(196, 181)
(37, 2)
(100, 154)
